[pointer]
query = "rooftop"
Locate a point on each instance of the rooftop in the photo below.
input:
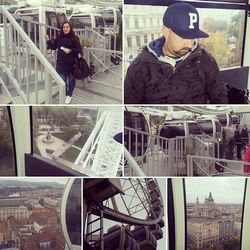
(13, 202)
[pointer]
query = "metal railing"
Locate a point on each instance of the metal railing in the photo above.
(101, 153)
(103, 63)
(153, 155)
(26, 72)
(209, 166)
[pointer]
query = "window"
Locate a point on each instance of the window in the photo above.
(99, 21)
(79, 22)
(51, 19)
(194, 128)
(224, 26)
(108, 16)
(6, 146)
(61, 18)
(152, 37)
(127, 23)
(145, 38)
(151, 22)
(59, 133)
(206, 126)
(138, 41)
(129, 41)
(215, 216)
(136, 23)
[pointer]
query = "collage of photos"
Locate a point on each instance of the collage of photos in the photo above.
(124, 125)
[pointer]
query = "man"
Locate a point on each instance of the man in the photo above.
(238, 141)
(174, 69)
(244, 135)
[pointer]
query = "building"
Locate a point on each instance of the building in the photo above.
(5, 233)
(142, 25)
(14, 207)
(202, 232)
(226, 229)
(47, 239)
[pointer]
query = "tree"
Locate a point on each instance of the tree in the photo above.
(41, 201)
(210, 26)
(217, 46)
(5, 139)
(232, 244)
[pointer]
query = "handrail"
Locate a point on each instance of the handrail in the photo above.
(30, 46)
(133, 164)
(194, 158)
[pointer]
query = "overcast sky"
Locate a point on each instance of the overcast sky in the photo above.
(224, 190)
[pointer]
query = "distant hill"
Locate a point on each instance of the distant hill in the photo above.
(4, 183)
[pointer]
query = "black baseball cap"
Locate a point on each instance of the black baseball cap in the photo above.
(183, 19)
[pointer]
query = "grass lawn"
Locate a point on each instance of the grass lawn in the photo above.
(71, 154)
(63, 136)
(79, 143)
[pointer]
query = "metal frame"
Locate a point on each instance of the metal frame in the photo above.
(243, 212)
(171, 215)
(13, 138)
(219, 162)
(63, 214)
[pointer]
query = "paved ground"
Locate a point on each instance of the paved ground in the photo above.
(57, 145)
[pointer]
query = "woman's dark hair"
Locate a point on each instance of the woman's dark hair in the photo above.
(70, 34)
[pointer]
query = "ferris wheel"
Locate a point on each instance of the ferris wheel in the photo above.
(135, 203)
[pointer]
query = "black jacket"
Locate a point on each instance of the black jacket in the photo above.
(237, 137)
(194, 80)
(244, 135)
(65, 62)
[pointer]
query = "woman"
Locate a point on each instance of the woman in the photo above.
(68, 46)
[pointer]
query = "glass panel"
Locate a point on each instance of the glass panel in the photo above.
(61, 18)
(7, 165)
(79, 22)
(206, 126)
(213, 218)
(51, 19)
(194, 128)
(99, 21)
(224, 26)
(59, 133)
(108, 16)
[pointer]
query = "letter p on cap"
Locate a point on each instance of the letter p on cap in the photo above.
(192, 20)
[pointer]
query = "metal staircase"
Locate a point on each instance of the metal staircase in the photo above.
(24, 70)
(27, 67)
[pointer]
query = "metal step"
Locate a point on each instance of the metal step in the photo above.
(83, 96)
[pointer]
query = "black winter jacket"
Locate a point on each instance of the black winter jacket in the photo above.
(65, 62)
(195, 80)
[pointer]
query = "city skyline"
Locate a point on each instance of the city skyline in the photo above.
(218, 187)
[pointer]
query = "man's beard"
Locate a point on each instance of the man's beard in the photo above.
(183, 51)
